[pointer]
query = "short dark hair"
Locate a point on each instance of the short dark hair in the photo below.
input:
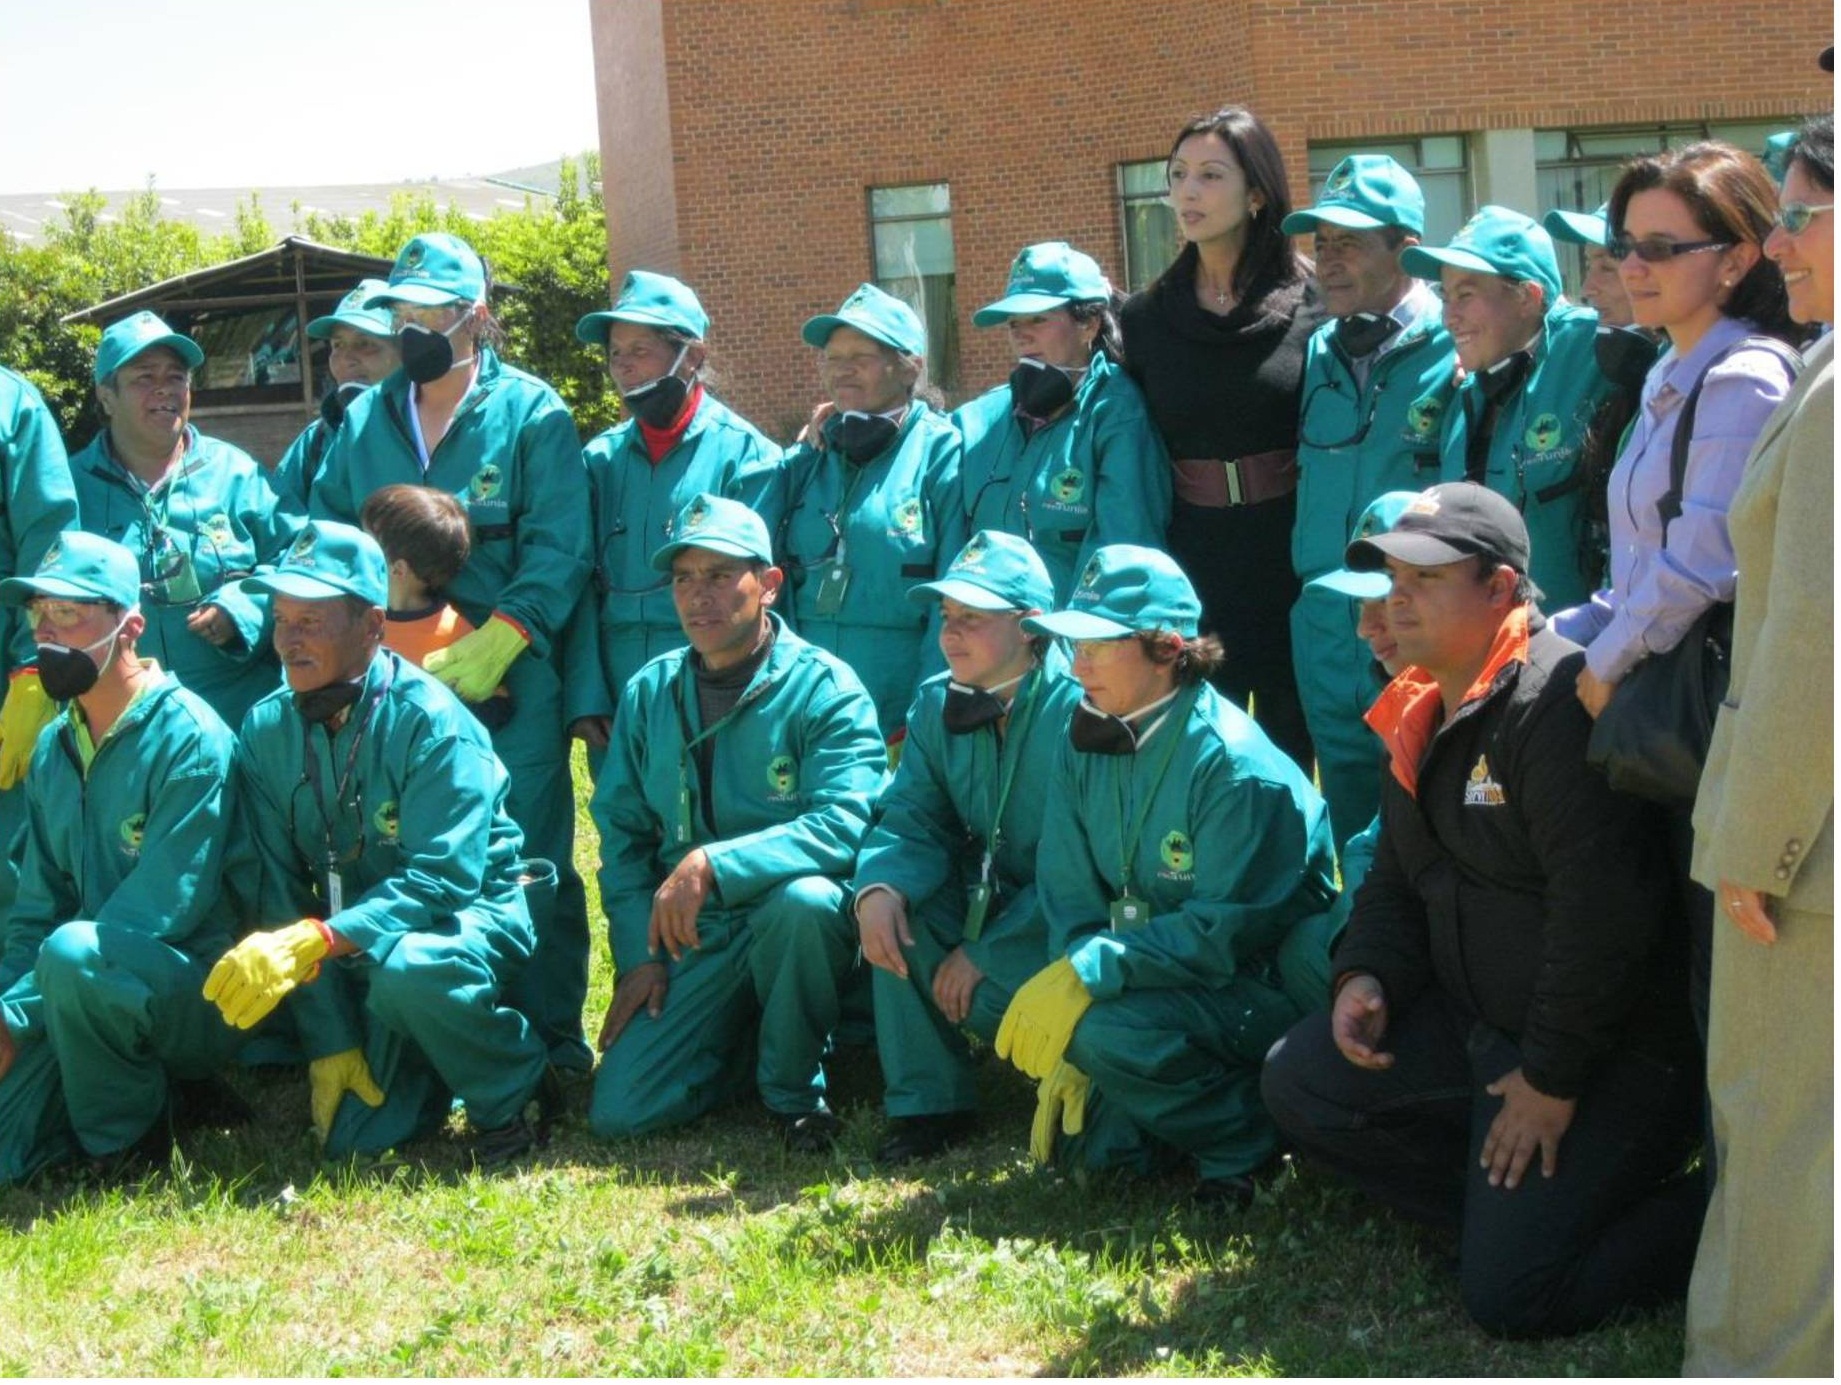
(424, 527)
(1525, 589)
(1814, 149)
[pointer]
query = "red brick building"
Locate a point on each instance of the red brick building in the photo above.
(775, 153)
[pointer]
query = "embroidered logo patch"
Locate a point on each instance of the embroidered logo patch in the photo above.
(1482, 791)
(301, 553)
(1069, 486)
(486, 483)
(1177, 852)
(387, 820)
(971, 557)
(1544, 433)
(908, 517)
(133, 829)
(782, 775)
(1422, 415)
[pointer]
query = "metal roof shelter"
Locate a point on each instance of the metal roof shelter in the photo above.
(262, 377)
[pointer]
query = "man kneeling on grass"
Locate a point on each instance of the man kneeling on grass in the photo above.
(735, 793)
(376, 809)
(119, 912)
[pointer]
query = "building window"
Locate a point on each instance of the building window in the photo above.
(1575, 170)
(911, 229)
(1148, 221)
(1439, 164)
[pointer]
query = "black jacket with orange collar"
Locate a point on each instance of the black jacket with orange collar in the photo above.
(1509, 875)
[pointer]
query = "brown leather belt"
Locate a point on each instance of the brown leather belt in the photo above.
(1215, 484)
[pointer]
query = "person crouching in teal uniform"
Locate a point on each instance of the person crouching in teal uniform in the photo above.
(1064, 454)
(1377, 378)
(1532, 387)
(676, 442)
(200, 513)
(458, 418)
(945, 890)
(1179, 849)
(376, 811)
(120, 911)
(360, 351)
(731, 805)
(873, 505)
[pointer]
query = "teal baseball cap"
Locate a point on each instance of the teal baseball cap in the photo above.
(79, 567)
(432, 271)
(1580, 228)
(875, 314)
(651, 300)
(1124, 590)
(138, 333)
(354, 312)
(720, 525)
(1776, 154)
(326, 560)
(1045, 277)
(995, 571)
(1380, 516)
(1364, 192)
(1497, 240)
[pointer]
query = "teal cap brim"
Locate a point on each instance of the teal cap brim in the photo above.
(303, 587)
(661, 558)
(958, 589)
(1424, 262)
(188, 350)
(1076, 625)
(817, 331)
(1363, 586)
(1349, 217)
(417, 295)
(1018, 305)
(1581, 228)
(16, 591)
(322, 327)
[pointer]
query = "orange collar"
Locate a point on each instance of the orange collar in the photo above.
(1406, 715)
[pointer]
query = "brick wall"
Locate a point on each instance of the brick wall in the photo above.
(784, 112)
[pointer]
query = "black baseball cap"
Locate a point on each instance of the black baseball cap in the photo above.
(1447, 524)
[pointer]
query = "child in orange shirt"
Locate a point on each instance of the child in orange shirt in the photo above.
(424, 535)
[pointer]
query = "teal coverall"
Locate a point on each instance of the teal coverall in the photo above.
(410, 801)
(513, 460)
(299, 467)
(627, 617)
(39, 502)
(211, 521)
(894, 521)
(796, 767)
(1534, 450)
(119, 918)
(1219, 835)
(1355, 443)
(1098, 474)
(934, 830)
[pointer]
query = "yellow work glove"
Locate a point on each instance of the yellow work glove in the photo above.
(1061, 1099)
(28, 709)
(330, 1078)
(1041, 1019)
(250, 979)
(474, 665)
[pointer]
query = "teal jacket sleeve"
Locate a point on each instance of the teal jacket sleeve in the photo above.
(759, 480)
(45, 895)
(283, 888)
(1069, 880)
(585, 690)
(1255, 875)
(630, 834)
(273, 526)
(41, 502)
(447, 808)
(298, 468)
(842, 764)
(1132, 496)
(553, 528)
(946, 501)
(918, 829)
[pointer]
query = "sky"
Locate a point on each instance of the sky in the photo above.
(235, 93)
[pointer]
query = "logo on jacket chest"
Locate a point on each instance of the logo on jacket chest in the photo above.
(1067, 489)
(1177, 853)
(782, 778)
(1481, 790)
(133, 830)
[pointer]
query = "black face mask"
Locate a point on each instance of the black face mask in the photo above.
(1100, 733)
(428, 355)
(968, 709)
(1361, 333)
(317, 706)
(65, 672)
(1625, 355)
(658, 403)
(1041, 390)
(860, 437)
(1501, 380)
(336, 402)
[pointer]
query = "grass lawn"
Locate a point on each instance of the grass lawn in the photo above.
(712, 1251)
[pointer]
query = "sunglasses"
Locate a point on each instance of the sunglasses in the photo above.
(1655, 250)
(1795, 217)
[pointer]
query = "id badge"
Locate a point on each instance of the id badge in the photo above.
(977, 905)
(831, 589)
(1129, 913)
(683, 814)
(335, 890)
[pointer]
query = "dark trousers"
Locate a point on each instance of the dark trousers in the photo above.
(1239, 560)
(1614, 1228)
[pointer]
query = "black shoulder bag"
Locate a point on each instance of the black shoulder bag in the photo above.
(1652, 738)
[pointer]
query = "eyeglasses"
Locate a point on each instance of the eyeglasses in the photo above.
(1096, 649)
(1795, 217)
(1655, 250)
(61, 615)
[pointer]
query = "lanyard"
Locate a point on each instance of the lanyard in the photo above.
(1007, 776)
(835, 518)
(1175, 720)
(310, 771)
(682, 830)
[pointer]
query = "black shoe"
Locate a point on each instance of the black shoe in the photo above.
(147, 1155)
(207, 1103)
(912, 1138)
(815, 1132)
(503, 1144)
(1237, 1190)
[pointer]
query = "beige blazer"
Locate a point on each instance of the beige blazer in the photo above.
(1765, 815)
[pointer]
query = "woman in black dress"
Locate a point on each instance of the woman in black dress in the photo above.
(1217, 346)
